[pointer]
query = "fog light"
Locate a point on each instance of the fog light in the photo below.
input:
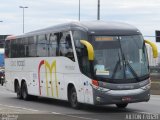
(98, 99)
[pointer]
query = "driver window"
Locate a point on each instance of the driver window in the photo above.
(81, 51)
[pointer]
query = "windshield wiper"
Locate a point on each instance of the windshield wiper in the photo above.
(125, 62)
(130, 67)
(132, 70)
(116, 67)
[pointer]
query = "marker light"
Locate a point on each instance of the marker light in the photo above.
(95, 82)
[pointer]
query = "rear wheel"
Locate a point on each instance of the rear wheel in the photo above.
(18, 91)
(123, 105)
(24, 89)
(73, 98)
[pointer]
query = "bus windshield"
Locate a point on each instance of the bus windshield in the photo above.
(120, 59)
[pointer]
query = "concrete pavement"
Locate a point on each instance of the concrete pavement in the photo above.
(53, 109)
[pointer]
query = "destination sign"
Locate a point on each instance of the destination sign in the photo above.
(103, 38)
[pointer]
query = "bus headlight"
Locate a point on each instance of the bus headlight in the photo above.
(146, 87)
(98, 99)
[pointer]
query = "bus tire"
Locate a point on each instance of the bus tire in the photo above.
(1, 81)
(123, 105)
(73, 98)
(18, 91)
(24, 90)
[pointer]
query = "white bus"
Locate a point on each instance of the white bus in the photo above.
(93, 63)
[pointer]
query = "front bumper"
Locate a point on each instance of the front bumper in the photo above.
(105, 96)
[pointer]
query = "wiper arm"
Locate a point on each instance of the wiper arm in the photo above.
(127, 63)
(116, 67)
(132, 70)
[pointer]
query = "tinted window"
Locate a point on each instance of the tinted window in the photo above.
(53, 44)
(31, 49)
(42, 46)
(79, 35)
(81, 51)
(7, 49)
(14, 48)
(26, 47)
(20, 48)
(65, 46)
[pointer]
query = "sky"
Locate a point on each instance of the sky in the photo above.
(144, 14)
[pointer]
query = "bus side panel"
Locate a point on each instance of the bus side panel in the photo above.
(8, 78)
(32, 83)
(88, 91)
(75, 80)
(59, 87)
(9, 81)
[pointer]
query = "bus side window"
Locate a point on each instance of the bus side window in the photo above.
(13, 48)
(65, 46)
(26, 47)
(7, 49)
(81, 51)
(42, 46)
(53, 45)
(20, 47)
(31, 46)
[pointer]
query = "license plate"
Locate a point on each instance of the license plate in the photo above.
(126, 98)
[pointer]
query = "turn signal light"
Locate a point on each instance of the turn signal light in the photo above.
(95, 82)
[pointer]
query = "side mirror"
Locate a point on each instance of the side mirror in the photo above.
(154, 48)
(89, 49)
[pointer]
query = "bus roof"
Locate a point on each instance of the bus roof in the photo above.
(10, 37)
(93, 27)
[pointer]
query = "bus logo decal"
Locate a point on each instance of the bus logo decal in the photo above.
(51, 67)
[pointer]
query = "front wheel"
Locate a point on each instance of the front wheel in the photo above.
(123, 105)
(1, 81)
(73, 98)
